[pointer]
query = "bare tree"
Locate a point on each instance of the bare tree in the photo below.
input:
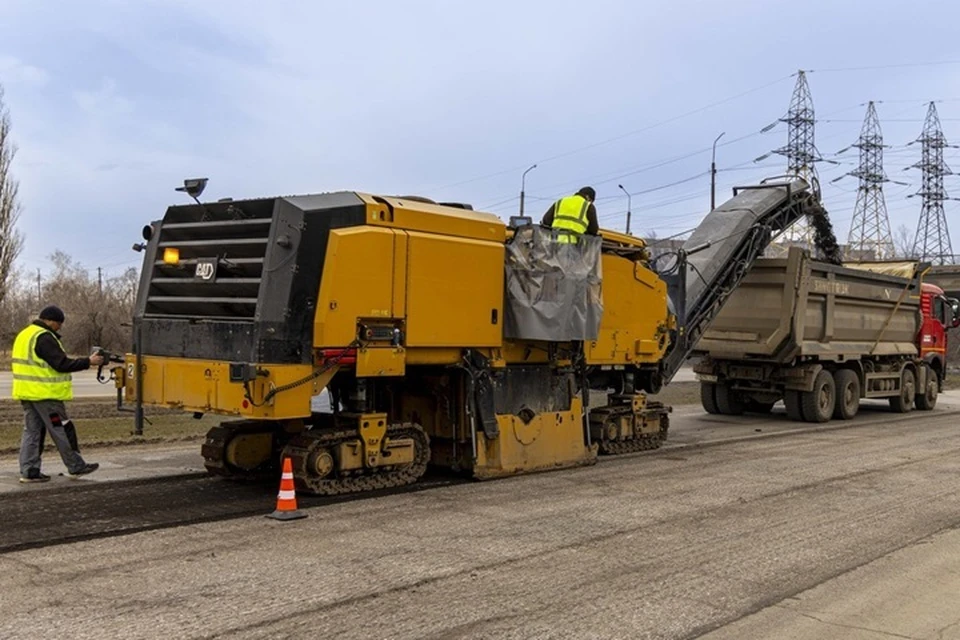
(16, 309)
(11, 240)
(903, 242)
(96, 315)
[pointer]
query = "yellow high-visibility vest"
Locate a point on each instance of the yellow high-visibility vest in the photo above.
(33, 378)
(570, 218)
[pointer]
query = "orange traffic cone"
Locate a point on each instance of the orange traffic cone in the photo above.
(287, 498)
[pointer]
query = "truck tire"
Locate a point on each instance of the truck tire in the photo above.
(728, 402)
(708, 397)
(848, 394)
(903, 402)
(791, 400)
(817, 405)
(928, 400)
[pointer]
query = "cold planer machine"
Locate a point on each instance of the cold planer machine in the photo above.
(396, 306)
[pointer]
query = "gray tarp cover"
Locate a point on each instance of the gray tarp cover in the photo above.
(553, 290)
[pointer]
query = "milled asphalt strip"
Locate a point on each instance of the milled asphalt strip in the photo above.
(113, 509)
(232, 500)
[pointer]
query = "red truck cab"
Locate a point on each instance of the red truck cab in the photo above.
(940, 313)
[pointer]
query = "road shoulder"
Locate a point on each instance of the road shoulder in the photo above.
(911, 593)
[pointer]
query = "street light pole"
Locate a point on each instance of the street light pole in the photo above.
(523, 184)
(628, 206)
(713, 174)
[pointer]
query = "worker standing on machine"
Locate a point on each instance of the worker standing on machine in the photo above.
(572, 216)
(42, 382)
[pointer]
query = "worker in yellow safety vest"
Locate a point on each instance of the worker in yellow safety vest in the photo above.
(42, 382)
(573, 216)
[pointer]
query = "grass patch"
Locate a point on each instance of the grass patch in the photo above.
(100, 424)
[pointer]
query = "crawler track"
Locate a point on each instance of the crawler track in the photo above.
(645, 442)
(300, 448)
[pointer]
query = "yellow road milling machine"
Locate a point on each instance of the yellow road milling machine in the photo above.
(443, 335)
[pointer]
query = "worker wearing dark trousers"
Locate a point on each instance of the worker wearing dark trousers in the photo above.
(42, 382)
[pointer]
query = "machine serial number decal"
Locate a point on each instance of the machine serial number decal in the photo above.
(826, 286)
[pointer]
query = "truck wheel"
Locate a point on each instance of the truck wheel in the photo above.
(908, 389)
(728, 402)
(927, 401)
(791, 400)
(817, 405)
(848, 394)
(708, 397)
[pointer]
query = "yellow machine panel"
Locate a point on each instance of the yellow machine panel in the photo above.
(205, 387)
(359, 281)
(451, 300)
(549, 440)
(414, 215)
(633, 329)
(381, 361)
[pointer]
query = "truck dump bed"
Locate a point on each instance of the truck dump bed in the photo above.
(793, 307)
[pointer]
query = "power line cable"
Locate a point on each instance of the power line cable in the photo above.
(621, 136)
(885, 66)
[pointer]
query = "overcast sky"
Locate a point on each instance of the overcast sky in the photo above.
(114, 103)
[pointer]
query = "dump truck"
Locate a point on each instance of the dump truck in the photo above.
(822, 337)
(444, 336)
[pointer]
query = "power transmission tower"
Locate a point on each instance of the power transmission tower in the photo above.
(870, 235)
(932, 242)
(801, 152)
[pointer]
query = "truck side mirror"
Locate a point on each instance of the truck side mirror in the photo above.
(955, 308)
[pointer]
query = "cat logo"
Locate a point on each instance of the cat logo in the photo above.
(206, 270)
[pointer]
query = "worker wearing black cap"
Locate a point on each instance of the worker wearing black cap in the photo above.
(42, 383)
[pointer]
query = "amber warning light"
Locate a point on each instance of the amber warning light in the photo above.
(171, 255)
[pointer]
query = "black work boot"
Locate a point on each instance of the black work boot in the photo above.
(87, 468)
(34, 475)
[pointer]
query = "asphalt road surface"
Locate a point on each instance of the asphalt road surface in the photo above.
(844, 532)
